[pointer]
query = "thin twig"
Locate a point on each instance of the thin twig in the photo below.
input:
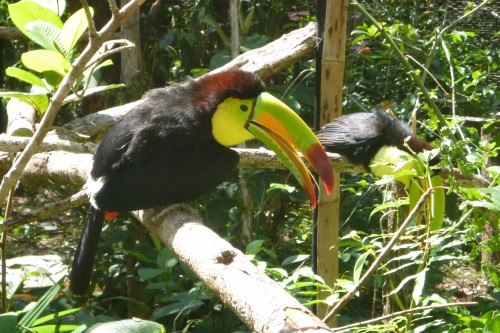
(383, 254)
(106, 54)
(463, 17)
(90, 20)
(93, 64)
(113, 7)
(47, 211)
(425, 69)
(3, 245)
(408, 67)
(402, 313)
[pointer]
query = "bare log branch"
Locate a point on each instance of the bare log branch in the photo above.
(13, 144)
(46, 212)
(57, 168)
(66, 168)
(12, 34)
(21, 118)
(277, 55)
(258, 301)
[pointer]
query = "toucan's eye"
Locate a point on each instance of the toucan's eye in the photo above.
(244, 107)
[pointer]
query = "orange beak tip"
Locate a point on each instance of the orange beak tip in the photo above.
(319, 160)
(313, 203)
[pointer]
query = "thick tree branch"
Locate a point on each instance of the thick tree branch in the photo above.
(12, 34)
(15, 144)
(257, 300)
(46, 212)
(65, 168)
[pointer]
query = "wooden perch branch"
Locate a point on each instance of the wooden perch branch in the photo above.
(15, 144)
(12, 34)
(258, 301)
(67, 168)
(277, 55)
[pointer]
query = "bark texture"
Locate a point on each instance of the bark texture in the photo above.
(257, 300)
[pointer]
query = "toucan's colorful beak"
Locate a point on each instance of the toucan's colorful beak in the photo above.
(283, 131)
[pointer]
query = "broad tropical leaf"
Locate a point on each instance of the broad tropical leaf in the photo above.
(46, 60)
(57, 6)
(73, 29)
(24, 76)
(39, 102)
(23, 12)
(46, 35)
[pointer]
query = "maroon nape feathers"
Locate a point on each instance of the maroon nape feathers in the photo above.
(233, 83)
(418, 145)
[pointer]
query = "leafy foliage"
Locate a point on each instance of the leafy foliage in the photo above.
(58, 40)
(458, 66)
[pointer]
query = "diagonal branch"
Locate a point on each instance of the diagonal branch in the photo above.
(13, 175)
(374, 266)
(260, 302)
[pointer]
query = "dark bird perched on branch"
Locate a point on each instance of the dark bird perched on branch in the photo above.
(173, 147)
(386, 146)
(360, 136)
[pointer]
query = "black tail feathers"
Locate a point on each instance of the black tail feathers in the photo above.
(83, 261)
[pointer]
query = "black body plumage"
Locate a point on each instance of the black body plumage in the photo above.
(162, 152)
(359, 136)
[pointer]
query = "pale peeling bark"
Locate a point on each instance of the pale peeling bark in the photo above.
(258, 301)
(15, 144)
(21, 118)
(56, 168)
(277, 55)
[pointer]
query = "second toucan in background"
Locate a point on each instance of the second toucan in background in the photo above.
(386, 146)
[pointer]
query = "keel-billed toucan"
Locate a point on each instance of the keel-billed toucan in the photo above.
(386, 146)
(174, 147)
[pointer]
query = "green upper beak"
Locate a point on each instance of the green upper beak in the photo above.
(283, 131)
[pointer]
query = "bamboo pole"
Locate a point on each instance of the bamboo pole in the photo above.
(131, 59)
(332, 77)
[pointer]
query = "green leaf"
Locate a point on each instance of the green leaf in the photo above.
(254, 247)
(46, 35)
(39, 102)
(358, 267)
(55, 316)
(54, 328)
(90, 91)
(149, 273)
(73, 29)
(8, 322)
(45, 60)
(25, 76)
(34, 313)
(23, 12)
(295, 258)
(419, 286)
(476, 74)
(57, 6)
